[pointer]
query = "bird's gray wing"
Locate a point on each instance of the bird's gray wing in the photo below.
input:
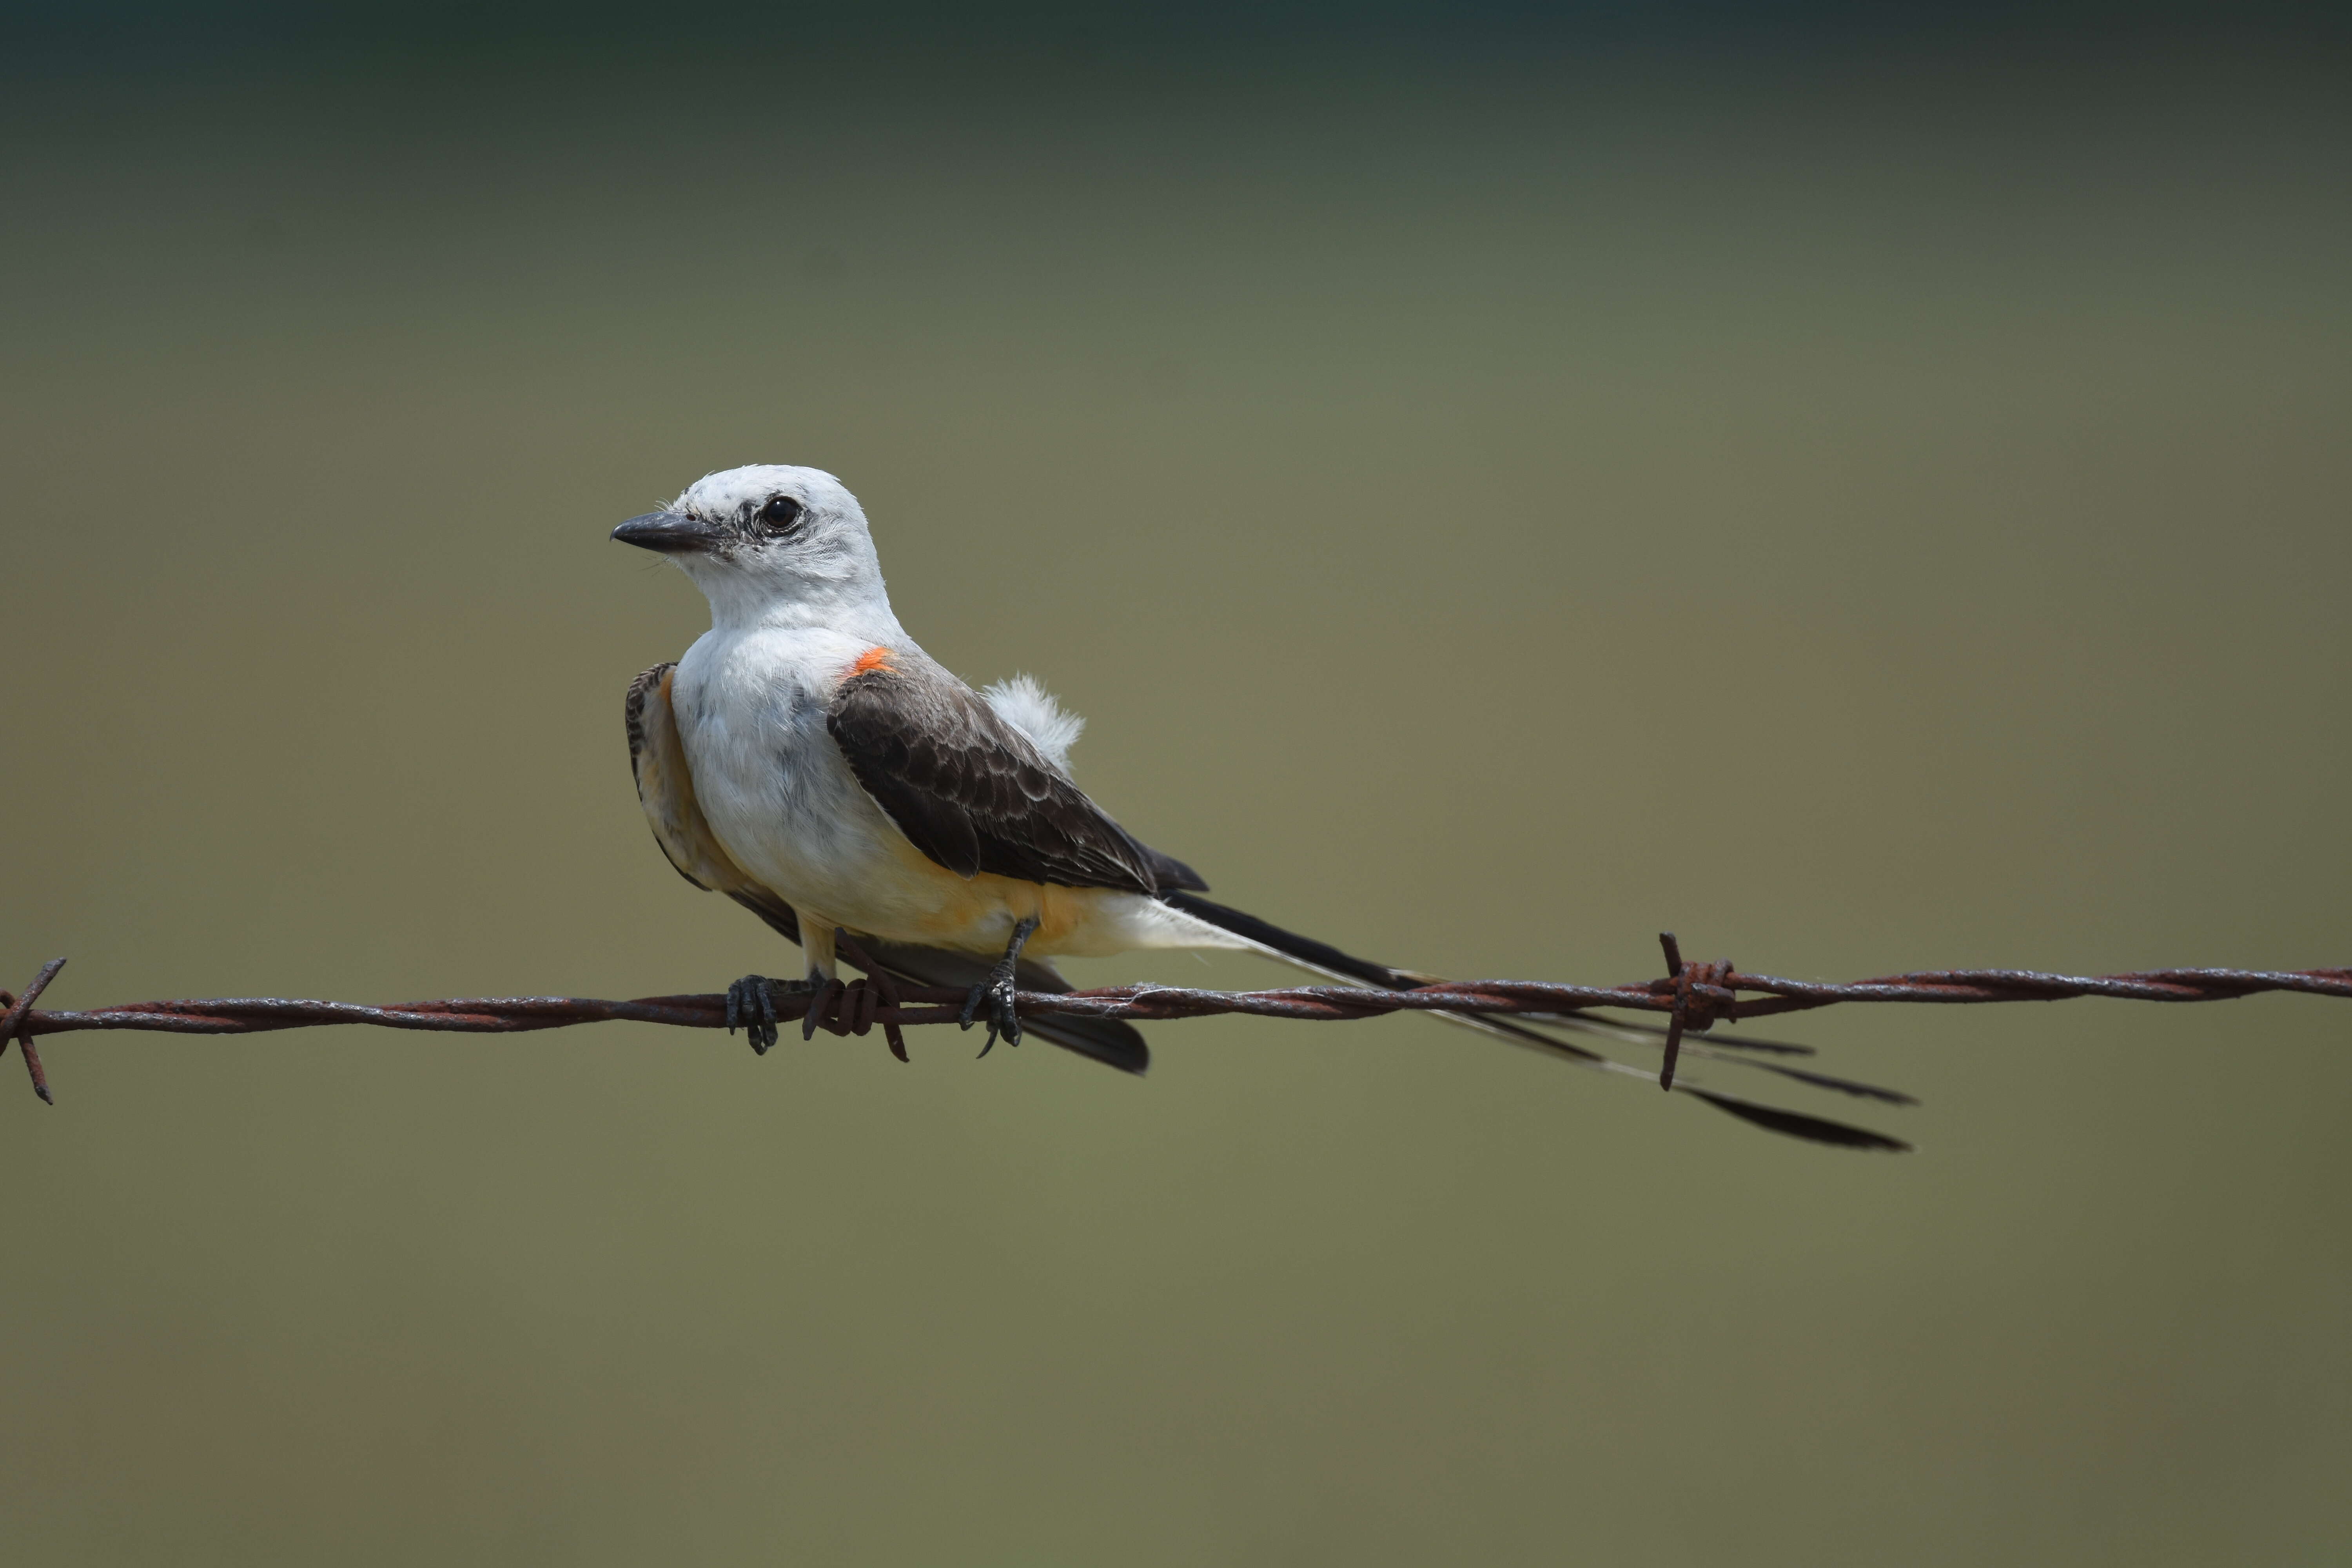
(971, 791)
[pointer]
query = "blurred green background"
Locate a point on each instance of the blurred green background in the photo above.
(1866, 501)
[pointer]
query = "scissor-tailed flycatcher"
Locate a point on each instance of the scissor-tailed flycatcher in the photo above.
(810, 761)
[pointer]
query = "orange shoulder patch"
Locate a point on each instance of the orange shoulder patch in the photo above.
(872, 659)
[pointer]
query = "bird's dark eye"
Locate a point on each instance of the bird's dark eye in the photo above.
(779, 515)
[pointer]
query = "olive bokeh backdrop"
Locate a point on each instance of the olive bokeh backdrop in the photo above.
(1863, 508)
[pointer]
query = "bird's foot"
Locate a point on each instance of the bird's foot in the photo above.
(997, 991)
(752, 1007)
(996, 994)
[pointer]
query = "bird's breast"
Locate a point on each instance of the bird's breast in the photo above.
(776, 790)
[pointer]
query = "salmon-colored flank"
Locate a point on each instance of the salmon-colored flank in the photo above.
(872, 659)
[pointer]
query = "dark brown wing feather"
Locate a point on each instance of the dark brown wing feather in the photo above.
(633, 708)
(1172, 874)
(971, 791)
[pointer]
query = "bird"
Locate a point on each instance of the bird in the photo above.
(807, 759)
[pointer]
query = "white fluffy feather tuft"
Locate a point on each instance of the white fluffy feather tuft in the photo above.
(1025, 704)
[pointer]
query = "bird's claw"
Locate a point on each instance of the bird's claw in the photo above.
(752, 1007)
(1003, 1017)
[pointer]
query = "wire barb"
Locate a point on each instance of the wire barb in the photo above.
(877, 995)
(1698, 990)
(15, 1025)
(1680, 1020)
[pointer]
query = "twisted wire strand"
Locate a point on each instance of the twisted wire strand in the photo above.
(1699, 1004)
(1691, 996)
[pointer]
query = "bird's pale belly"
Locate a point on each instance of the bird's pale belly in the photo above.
(892, 891)
(943, 909)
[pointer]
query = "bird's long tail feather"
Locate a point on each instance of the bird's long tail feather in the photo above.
(1544, 1032)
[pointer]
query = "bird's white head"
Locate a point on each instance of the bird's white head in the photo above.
(771, 544)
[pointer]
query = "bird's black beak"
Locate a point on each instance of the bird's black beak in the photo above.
(670, 532)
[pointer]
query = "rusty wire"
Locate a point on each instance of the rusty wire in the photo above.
(1693, 997)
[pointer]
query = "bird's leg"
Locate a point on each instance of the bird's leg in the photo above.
(997, 991)
(752, 1006)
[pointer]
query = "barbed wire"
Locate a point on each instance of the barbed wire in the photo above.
(1693, 997)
